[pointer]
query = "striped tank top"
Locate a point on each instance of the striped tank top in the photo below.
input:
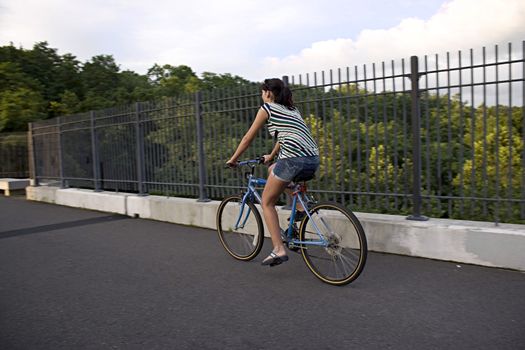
(289, 128)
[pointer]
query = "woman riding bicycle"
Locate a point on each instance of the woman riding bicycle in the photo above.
(296, 151)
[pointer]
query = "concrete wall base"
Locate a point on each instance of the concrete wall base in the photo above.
(9, 185)
(471, 242)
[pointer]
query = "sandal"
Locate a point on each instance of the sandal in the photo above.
(274, 259)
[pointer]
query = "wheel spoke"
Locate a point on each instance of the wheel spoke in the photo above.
(341, 258)
(240, 228)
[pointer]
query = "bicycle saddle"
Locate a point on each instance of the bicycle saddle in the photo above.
(304, 176)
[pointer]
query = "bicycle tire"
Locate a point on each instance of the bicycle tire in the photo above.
(343, 259)
(246, 242)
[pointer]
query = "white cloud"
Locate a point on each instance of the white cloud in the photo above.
(253, 39)
(226, 36)
(80, 28)
(219, 36)
(458, 25)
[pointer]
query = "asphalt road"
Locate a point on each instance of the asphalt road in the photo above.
(78, 279)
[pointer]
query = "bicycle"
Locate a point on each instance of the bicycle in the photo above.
(330, 238)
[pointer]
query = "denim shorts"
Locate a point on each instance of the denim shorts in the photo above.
(287, 169)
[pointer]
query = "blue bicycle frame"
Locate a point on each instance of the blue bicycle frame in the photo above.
(252, 194)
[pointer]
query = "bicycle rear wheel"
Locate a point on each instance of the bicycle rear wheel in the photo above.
(343, 257)
(240, 228)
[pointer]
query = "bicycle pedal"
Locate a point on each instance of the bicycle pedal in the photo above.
(294, 249)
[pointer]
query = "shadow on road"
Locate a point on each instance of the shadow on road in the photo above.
(61, 225)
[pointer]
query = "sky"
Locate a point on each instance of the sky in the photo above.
(259, 39)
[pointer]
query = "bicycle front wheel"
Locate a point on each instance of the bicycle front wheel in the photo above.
(338, 249)
(240, 228)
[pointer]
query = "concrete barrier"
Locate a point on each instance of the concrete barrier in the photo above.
(79, 198)
(471, 242)
(8, 185)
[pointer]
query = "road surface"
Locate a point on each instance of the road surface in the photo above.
(79, 279)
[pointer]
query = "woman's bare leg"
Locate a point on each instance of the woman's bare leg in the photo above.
(287, 190)
(272, 190)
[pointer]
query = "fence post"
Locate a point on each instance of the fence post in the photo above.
(203, 197)
(32, 156)
(94, 154)
(416, 141)
(139, 143)
(60, 158)
(288, 205)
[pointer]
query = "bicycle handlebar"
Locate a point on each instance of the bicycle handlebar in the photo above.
(259, 160)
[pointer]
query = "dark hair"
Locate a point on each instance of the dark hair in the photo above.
(282, 94)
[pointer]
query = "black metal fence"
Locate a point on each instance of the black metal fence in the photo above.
(13, 155)
(435, 136)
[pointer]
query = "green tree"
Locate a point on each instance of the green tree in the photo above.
(12, 77)
(69, 104)
(133, 87)
(19, 107)
(173, 81)
(41, 63)
(495, 158)
(211, 81)
(100, 75)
